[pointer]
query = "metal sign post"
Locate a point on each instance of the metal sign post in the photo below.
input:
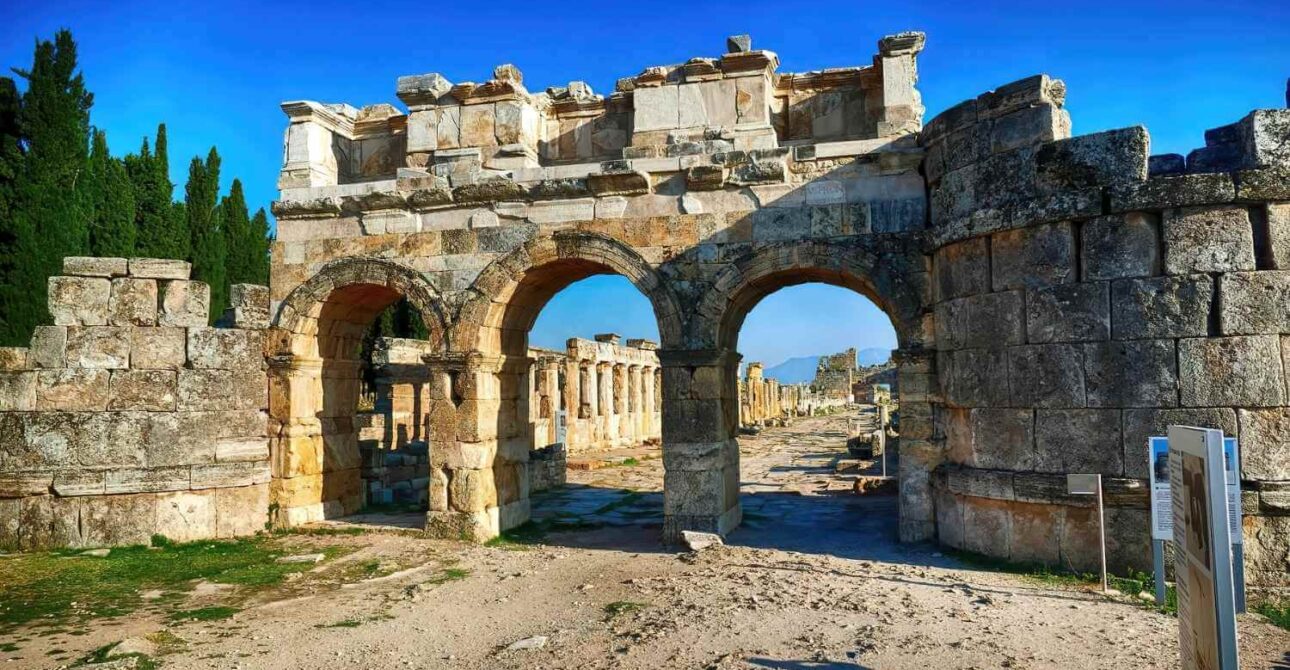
(1083, 485)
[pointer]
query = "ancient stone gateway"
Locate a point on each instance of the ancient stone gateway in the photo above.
(1056, 299)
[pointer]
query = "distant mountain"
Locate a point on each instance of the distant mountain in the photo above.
(873, 356)
(798, 370)
(801, 370)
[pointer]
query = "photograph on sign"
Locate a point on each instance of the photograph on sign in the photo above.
(1206, 605)
(1162, 513)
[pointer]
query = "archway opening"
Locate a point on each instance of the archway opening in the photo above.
(348, 399)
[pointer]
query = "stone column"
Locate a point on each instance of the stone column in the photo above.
(920, 450)
(622, 420)
(700, 455)
(635, 429)
(604, 376)
(647, 403)
(295, 445)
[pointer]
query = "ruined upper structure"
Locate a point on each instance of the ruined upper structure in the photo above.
(1056, 299)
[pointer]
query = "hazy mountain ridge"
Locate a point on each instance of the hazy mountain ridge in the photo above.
(801, 369)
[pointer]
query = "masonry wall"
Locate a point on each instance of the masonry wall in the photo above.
(1084, 303)
(129, 416)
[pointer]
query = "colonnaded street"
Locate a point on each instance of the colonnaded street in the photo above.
(814, 578)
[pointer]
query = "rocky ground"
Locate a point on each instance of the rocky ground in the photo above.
(813, 579)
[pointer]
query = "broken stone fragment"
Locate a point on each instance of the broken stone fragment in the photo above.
(250, 305)
(622, 182)
(697, 541)
(302, 558)
(509, 73)
(422, 89)
(535, 642)
(738, 44)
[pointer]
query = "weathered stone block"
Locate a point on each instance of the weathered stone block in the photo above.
(1069, 313)
(1029, 126)
(222, 390)
(1122, 245)
(242, 449)
(118, 519)
(472, 490)
(478, 126)
(93, 266)
(185, 303)
(159, 268)
(1140, 373)
(1173, 191)
(133, 302)
(1278, 218)
(13, 358)
(71, 390)
(973, 377)
(961, 269)
(1036, 533)
(1078, 440)
(250, 305)
(185, 516)
(1139, 424)
(1002, 438)
(225, 348)
(48, 347)
(151, 390)
(1267, 549)
(79, 301)
(1231, 371)
(987, 526)
(227, 475)
(1208, 239)
(1265, 444)
(988, 320)
(158, 348)
(241, 511)
(17, 391)
(1046, 375)
(1254, 302)
(105, 347)
(148, 480)
(1109, 157)
(1033, 257)
(1161, 307)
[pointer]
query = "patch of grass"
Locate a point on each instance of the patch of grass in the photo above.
(623, 607)
(8, 646)
(213, 613)
(320, 531)
(63, 587)
(104, 654)
(1276, 612)
(1130, 585)
(449, 575)
(627, 462)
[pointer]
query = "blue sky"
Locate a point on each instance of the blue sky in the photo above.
(215, 73)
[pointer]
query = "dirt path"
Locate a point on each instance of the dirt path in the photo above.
(810, 581)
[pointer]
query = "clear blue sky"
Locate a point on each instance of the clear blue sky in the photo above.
(215, 73)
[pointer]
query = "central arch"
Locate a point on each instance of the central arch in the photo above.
(702, 491)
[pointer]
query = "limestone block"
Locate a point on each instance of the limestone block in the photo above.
(250, 305)
(93, 266)
(17, 391)
(1139, 424)
(48, 347)
(776, 224)
(1231, 371)
(987, 526)
(1254, 302)
(1069, 313)
(1267, 549)
(225, 348)
(185, 516)
(706, 104)
(105, 347)
(752, 104)
(1003, 438)
(1078, 440)
(222, 390)
(133, 302)
(158, 348)
(242, 449)
(1161, 307)
(185, 303)
(1208, 239)
(656, 108)
(1138, 373)
(1098, 159)
(988, 320)
(972, 377)
(1036, 533)
(79, 301)
(1122, 245)
(241, 511)
(961, 269)
(1173, 191)
(118, 519)
(448, 127)
(1046, 375)
(1033, 257)
(159, 268)
(148, 480)
(1029, 126)
(472, 490)
(139, 438)
(226, 475)
(478, 126)
(151, 390)
(79, 483)
(1278, 217)
(71, 390)
(1265, 443)
(297, 456)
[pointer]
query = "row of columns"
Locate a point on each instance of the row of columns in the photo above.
(615, 402)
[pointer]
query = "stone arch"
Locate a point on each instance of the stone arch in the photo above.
(702, 479)
(315, 380)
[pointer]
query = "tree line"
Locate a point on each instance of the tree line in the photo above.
(62, 193)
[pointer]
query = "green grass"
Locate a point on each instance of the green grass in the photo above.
(104, 654)
(631, 498)
(449, 575)
(214, 613)
(1130, 585)
(627, 462)
(61, 587)
(623, 607)
(1278, 613)
(8, 646)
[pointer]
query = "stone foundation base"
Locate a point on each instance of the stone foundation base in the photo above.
(466, 526)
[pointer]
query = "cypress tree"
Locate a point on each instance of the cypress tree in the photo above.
(258, 272)
(11, 162)
(50, 213)
(208, 251)
(112, 226)
(237, 235)
(160, 233)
